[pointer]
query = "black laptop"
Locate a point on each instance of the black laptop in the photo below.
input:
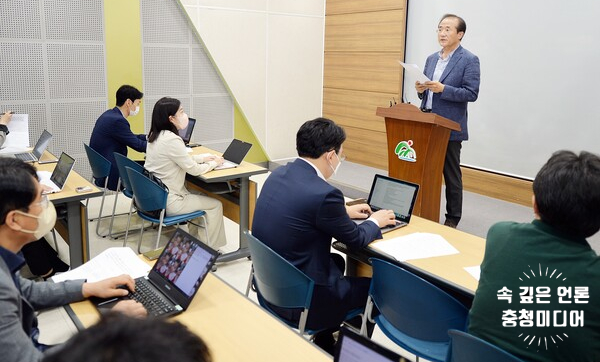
(234, 154)
(186, 133)
(393, 194)
(174, 279)
(352, 347)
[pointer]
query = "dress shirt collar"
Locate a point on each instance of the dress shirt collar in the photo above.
(315, 167)
(14, 261)
(441, 53)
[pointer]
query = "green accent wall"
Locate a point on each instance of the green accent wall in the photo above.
(123, 42)
(244, 132)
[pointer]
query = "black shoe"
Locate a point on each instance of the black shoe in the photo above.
(59, 266)
(326, 341)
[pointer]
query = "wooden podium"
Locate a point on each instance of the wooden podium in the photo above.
(417, 144)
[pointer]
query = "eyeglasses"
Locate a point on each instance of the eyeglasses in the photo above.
(44, 201)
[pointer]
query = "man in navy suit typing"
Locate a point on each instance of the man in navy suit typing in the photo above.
(112, 132)
(455, 74)
(299, 212)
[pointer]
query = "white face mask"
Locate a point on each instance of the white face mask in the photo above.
(46, 221)
(133, 113)
(336, 168)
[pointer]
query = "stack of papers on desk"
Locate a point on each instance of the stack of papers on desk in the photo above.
(109, 263)
(415, 246)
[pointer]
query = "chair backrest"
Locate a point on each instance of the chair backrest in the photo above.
(465, 347)
(278, 281)
(148, 195)
(413, 305)
(122, 162)
(99, 164)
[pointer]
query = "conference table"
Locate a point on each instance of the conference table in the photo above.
(234, 328)
(448, 271)
(237, 193)
(73, 224)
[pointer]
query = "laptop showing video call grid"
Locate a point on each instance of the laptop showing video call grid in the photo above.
(389, 193)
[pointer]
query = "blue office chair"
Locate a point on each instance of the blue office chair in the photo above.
(122, 162)
(150, 198)
(280, 283)
(414, 313)
(465, 347)
(100, 170)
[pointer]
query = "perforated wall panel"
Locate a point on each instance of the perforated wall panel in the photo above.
(74, 20)
(163, 21)
(21, 71)
(166, 70)
(176, 65)
(52, 67)
(20, 19)
(214, 114)
(205, 77)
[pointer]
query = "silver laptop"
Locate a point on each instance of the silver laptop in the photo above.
(393, 194)
(234, 154)
(38, 150)
(57, 180)
(174, 279)
(352, 347)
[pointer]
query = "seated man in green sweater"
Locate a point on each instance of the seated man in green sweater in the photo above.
(539, 293)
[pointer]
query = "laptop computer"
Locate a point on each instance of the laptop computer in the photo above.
(57, 180)
(39, 148)
(234, 154)
(352, 347)
(186, 133)
(393, 194)
(174, 279)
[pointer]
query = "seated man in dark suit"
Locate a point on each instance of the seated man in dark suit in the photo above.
(299, 212)
(112, 132)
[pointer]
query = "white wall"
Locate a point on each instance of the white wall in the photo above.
(270, 53)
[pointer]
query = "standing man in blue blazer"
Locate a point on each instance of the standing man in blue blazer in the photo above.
(297, 215)
(112, 132)
(455, 74)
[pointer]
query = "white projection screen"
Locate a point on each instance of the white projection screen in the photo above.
(540, 77)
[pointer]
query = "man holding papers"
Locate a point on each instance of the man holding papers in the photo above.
(299, 212)
(454, 73)
(26, 215)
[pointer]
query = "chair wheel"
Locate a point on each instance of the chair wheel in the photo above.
(214, 268)
(249, 257)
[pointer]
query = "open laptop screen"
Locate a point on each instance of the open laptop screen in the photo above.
(62, 170)
(184, 263)
(186, 133)
(393, 194)
(41, 144)
(353, 347)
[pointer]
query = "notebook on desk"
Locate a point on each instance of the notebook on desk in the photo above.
(234, 154)
(392, 194)
(38, 150)
(57, 180)
(352, 347)
(173, 280)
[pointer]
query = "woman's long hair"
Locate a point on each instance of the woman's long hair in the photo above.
(163, 109)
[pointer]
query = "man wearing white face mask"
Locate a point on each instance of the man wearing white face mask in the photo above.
(299, 212)
(112, 132)
(26, 215)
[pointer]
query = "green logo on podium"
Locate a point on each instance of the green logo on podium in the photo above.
(405, 152)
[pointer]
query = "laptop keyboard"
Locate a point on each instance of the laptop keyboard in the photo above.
(25, 156)
(155, 304)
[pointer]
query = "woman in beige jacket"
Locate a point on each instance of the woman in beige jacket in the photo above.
(168, 159)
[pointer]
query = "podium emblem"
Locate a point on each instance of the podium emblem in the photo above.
(405, 152)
